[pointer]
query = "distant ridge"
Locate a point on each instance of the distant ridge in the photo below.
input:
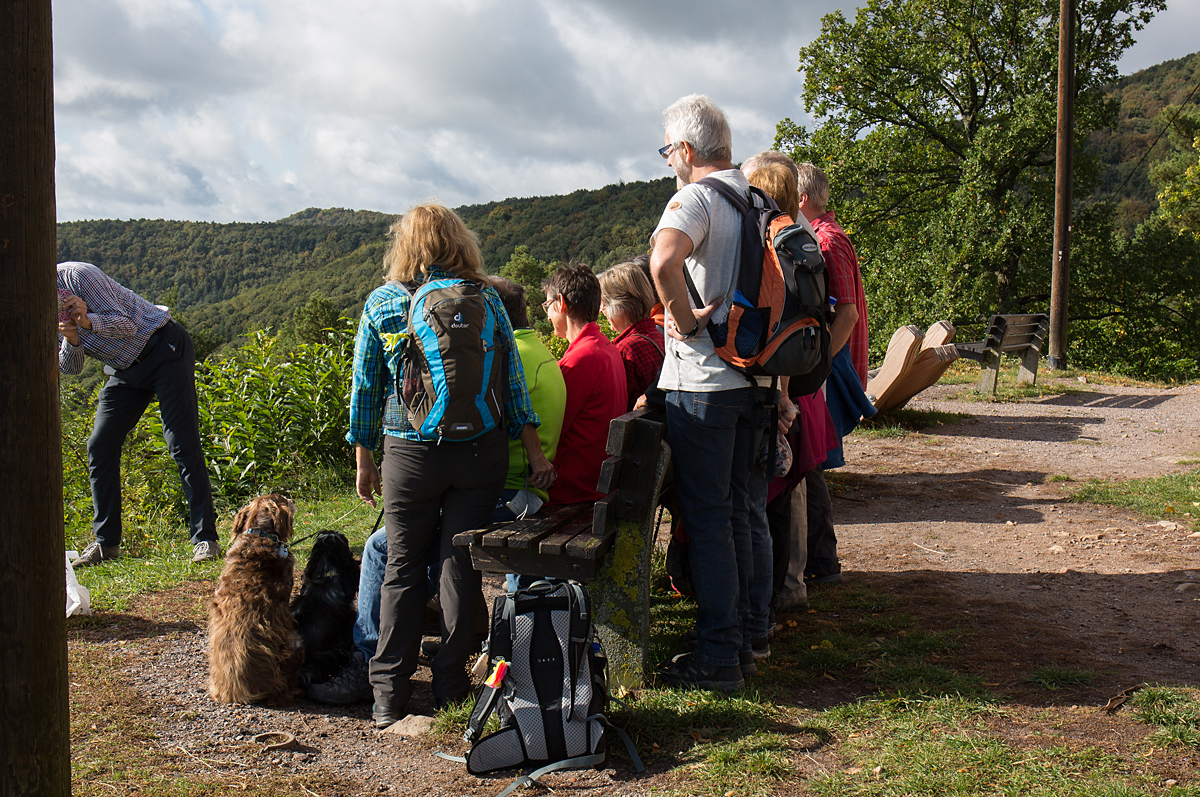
(338, 217)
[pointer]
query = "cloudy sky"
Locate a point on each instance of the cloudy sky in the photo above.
(250, 110)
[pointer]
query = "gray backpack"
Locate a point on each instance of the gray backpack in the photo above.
(547, 684)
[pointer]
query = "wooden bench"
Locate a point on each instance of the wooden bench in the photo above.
(1021, 335)
(608, 543)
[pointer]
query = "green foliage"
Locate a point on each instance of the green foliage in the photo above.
(317, 321)
(600, 227)
(938, 133)
(269, 414)
(1127, 149)
(1179, 177)
(206, 262)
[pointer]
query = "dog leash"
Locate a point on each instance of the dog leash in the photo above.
(374, 528)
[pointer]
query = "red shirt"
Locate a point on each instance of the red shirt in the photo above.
(641, 347)
(845, 284)
(595, 378)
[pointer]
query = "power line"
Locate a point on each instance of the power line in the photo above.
(1163, 132)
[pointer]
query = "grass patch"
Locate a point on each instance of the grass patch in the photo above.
(1007, 392)
(160, 554)
(900, 422)
(1157, 497)
(1061, 477)
(1053, 677)
(1175, 711)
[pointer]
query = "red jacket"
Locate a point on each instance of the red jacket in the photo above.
(595, 377)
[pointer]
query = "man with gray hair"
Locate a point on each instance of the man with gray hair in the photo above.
(715, 416)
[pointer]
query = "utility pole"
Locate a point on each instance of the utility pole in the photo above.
(34, 720)
(1060, 280)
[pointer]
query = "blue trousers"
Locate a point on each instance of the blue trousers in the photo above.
(716, 440)
(167, 372)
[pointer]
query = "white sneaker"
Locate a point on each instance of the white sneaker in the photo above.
(206, 551)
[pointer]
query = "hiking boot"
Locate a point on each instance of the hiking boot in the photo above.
(351, 685)
(96, 553)
(828, 578)
(206, 551)
(386, 717)
(748, 663)
(685, 671)
(761, 648)
(431, 646)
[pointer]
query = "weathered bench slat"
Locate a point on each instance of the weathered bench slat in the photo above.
(551, 523)
(610, 475)
(554, 544)
(473, 537)
(589, 546)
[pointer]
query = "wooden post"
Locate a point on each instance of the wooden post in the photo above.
(1060, 280)
(621, 592)
(34, 721)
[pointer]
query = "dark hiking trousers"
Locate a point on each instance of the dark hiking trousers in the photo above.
(166, 371)
(787, 516)
(822, 542)
(432, 491)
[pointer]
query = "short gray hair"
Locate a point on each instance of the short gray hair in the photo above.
(697, 120)
(815, 183)
(756, 162)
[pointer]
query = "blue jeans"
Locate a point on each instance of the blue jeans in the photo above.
(370, 579)
(722, 489)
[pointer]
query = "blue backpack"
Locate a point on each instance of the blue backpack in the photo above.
(452, 376)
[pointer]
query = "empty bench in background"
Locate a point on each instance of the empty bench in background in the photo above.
(608, 543)
(1020, 335)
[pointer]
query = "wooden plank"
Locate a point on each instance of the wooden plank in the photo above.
(468, 537)
(496, 536)
(545, 524)
(590, 546)
(554, 544)
(610, 475)
(530, 562)
(620, 429)
(604, 518)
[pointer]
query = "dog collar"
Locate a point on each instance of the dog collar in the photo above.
(269, 535)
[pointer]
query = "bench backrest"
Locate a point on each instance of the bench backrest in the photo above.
(1013, 333)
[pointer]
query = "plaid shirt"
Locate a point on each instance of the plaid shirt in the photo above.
(374, 409)
(122, 321)
(845, 284)
(641, 347)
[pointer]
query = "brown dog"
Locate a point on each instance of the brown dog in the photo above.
(254, 653)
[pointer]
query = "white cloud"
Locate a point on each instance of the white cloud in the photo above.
(254, 109)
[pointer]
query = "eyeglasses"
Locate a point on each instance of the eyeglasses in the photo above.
(666, 151)
(546, 304)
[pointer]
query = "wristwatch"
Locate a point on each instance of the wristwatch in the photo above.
(693, 333)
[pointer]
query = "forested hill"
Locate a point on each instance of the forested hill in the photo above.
(1142, 97)
(235, 277)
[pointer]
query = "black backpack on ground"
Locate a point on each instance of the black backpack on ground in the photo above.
(547, 683)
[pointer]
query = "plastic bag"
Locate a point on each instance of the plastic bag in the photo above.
(783, 454)
(79, 600)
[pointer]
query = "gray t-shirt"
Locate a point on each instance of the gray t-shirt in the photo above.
(715, 228)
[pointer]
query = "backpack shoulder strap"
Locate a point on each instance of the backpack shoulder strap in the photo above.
(742, 203)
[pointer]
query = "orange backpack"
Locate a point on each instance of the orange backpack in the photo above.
(778, 323)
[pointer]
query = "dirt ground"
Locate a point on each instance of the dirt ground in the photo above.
(962, 523)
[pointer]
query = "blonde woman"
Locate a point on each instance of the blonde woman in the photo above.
(627, 298)
(431, 490)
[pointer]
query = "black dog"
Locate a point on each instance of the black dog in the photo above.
(324, 607)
